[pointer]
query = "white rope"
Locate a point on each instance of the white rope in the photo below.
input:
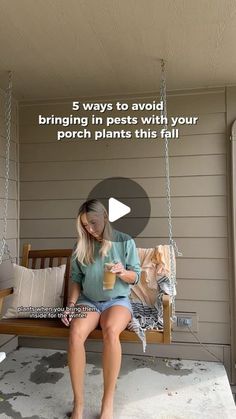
(172, 244)
(8, 100)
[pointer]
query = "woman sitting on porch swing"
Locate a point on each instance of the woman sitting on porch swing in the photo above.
(99, 245)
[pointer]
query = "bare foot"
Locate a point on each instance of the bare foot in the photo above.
(107, 411)
(77, 412)
(106, 414)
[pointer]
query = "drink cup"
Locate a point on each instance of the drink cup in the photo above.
(109, 278)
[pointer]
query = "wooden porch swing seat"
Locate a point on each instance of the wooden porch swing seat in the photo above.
(54, 328)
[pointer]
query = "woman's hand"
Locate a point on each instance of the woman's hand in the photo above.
(126, 276)
(68, 315)
(118, 269)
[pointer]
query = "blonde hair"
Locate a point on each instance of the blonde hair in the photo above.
(84, 250)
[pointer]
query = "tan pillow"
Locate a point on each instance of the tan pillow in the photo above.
(35, 288)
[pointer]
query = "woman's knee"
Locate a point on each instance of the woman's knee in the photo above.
(81, 328)
(77, 335)
(110, 333)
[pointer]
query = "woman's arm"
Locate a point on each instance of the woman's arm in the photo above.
(76, 277)
(130, 273)
(128, 276)
(124, 274)
(74, 293)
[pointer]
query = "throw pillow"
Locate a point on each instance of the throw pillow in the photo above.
(35, 288)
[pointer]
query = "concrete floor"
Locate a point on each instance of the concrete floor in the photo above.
(35, 384)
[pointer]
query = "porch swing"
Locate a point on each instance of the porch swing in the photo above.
(160, 261)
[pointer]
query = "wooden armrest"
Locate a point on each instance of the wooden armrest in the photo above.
(166, 318)
(166, 300)
(5, 292)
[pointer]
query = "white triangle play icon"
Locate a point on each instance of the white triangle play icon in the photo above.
(117, 210)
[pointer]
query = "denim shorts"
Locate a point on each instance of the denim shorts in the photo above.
(100, 306)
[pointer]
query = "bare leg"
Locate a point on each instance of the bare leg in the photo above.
(80, 328)
(113, 321)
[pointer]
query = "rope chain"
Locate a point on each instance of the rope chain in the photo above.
(173, 245)
(8, 103)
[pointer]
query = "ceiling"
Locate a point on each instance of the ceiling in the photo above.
(83, 48)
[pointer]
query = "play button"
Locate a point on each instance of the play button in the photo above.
(117, 210)
(127, 204)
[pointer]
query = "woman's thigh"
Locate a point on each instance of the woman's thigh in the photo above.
(81, 327)
(115, 318)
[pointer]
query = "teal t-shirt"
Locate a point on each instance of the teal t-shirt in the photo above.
(90, 277)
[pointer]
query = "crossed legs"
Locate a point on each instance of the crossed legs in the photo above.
(113, 320)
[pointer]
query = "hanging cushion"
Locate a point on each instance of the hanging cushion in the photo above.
(35, 288)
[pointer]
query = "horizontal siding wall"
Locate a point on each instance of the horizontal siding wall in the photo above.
(12, 219)
(56, 176)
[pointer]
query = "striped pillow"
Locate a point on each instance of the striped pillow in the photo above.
(33, 288)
